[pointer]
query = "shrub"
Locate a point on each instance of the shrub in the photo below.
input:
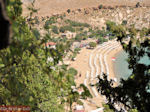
(86, 92)
(77, 24)
(55, 29)
(76, 50)
(124, 22)
(66, 28)
(111, 37)
(138, 4)
(46, 26)
(100, 40)
(72, 71)
(62, 29)
(92, 44)
(36, 33)
(78, 38)
(100, 6)
(110, 25)
(68, 10)
(79, 102)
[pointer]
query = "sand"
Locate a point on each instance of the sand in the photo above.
(82, 65)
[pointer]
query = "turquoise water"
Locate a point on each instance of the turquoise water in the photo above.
(121, 65)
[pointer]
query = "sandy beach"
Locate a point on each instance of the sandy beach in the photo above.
(93, 62)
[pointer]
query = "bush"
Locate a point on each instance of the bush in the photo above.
(76, 50)
(100, 6)
(46, 26)
(36, 33)
(68, 10)
(92, 44)
(66, 28)
(77, 24)
(72, 71)
(138, 4)
(62, 29)
(49, 22)
(55, 29)
(78, 38)
(79, 102)
(110, 25)
(124, 22)
(86, 92)
(111, 37)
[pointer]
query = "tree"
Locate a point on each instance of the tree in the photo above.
(68, 10)
(27, 77)
(132, 93)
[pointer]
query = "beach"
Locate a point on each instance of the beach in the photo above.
(92, 62)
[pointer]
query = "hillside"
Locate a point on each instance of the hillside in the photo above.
(90, 11)
(49, 7)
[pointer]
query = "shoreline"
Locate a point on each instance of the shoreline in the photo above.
(81, 64)
(111, 63)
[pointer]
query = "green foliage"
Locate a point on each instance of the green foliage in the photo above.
(107, 108)
(133, 31)
(133, 110)
(144, 32)
(27, 77)
(24, 77)
(110, 25)
(68, 10)
(79, 102)
(14, 10)
(72, 71)
(92, 44)
(55, 29)
(131, 92)
(49, 22)
(36, 33)
(86, 92)
(78, 38)
(112, 37)
(100, 6)
(124, 22)
(77, 24)
(67, 28)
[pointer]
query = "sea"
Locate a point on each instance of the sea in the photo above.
(121, 65)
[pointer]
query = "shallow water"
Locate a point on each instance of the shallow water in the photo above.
(121, 65)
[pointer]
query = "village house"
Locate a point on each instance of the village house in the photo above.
(50, 45)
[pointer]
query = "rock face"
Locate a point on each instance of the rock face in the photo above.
(97, 17)
(47, 7)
